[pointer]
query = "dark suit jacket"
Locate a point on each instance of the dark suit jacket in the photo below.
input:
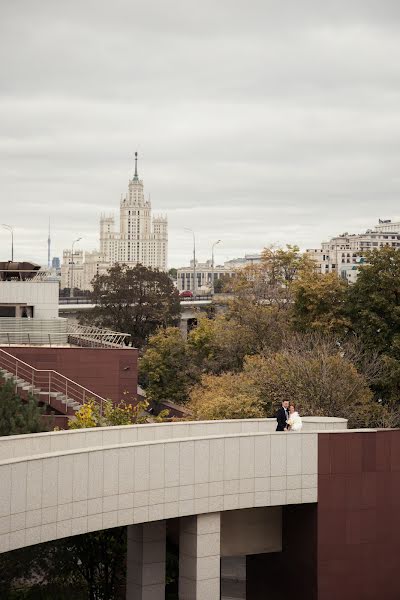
(281, 419)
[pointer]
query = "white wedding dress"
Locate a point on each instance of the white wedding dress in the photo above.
(295, 421)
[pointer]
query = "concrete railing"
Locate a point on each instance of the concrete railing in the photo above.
(56, 441)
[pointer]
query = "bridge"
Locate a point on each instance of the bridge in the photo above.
(70, 307)
(235, 488)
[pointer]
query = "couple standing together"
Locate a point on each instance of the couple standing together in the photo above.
(288, 419)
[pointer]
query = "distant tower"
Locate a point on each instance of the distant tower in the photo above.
(141, 239)
(49, 248)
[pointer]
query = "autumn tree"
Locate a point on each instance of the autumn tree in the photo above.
(134, 300)
(319, 383)
(271, 280)
(320, 303)
(226, 396)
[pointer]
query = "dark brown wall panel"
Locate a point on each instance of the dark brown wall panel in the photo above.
(358, 523)
(291, 573)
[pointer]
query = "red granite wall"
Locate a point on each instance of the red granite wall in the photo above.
(107, 371)
(359, 516)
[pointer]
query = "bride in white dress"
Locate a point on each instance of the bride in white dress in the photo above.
(295, 423)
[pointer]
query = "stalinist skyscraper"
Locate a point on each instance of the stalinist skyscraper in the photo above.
(141, 238)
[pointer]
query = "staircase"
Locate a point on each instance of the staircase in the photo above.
(58, 393)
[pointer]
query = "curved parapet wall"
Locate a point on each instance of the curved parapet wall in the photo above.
(58, 484)
(15, 446)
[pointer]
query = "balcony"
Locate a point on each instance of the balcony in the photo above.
(57, 332)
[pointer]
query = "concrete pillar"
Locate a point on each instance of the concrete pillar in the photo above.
(183, 325)
(145, 568)
(199, 557)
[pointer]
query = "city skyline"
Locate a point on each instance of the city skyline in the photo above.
(254, 127)
(203, 252)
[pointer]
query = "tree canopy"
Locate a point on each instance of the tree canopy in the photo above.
(18, 416)
(134, 300)
(166, 367)
(331, 346)
(320, 303)
(374, 301)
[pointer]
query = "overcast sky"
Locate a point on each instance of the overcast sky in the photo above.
(256, 121)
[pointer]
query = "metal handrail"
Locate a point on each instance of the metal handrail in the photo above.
(19, 367)
(94, 338)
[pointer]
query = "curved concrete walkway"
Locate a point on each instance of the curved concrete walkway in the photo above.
(59, 484)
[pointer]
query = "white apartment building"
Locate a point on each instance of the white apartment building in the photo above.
(204, 273)
(86, 266)
(344, 254)
(141, 239)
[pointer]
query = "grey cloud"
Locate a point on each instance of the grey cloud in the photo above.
(256, 122)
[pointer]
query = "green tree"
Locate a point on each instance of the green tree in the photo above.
(134, 300)
(374, 301)
(16, 415)
(373, 307)
(219, 344)
(222, 284)
(166, 368)
(173, 273)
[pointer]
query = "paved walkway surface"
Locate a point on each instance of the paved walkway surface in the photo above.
(233, 578)
(233, 590)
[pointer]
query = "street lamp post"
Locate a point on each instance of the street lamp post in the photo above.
(71, 289)
(212, 265)
(194, 261)
(11, 230)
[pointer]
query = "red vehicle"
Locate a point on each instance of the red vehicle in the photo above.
(186, 294)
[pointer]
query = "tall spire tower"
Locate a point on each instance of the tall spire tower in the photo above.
(49, 248)
(136, 177)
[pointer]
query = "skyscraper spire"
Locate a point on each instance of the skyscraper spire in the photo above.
(136, 173)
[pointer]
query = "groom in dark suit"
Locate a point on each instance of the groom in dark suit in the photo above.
(282, 416)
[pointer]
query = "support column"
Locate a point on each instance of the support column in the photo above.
(199, 557)
(145, 565)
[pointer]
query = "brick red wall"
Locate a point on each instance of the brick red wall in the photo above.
(101, 370)
(359, 516)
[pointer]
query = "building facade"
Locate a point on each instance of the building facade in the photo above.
(141, 239)
(204, 275)
(345, 253)
(205, 272)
